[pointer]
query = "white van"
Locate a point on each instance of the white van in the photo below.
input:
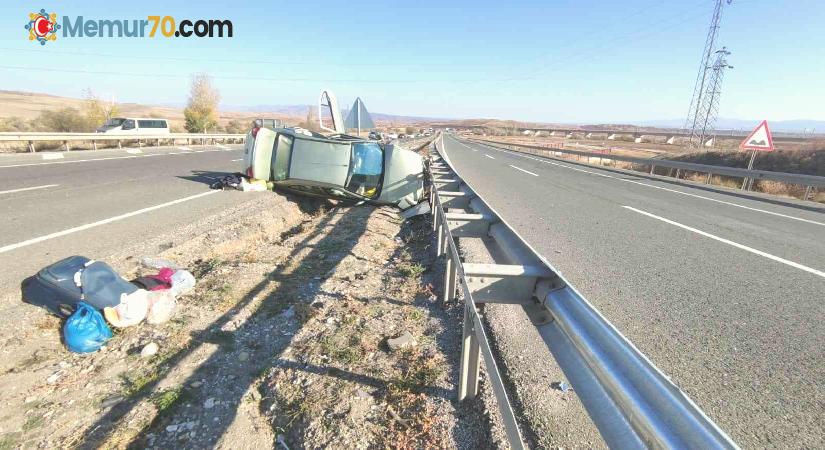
(133, 125)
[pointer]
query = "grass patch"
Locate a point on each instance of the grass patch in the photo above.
(33, 422)
(9, 441)
(136, 384)
(166, 399)
(202, 267)
(415, 315)
(411, 270)
(341, 348)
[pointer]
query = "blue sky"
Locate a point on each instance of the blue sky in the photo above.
(551, 61)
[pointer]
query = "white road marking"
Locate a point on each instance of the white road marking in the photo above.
(52, 155)
(29, 188)
(87, 226)
(134, 151)
(71, 161)
(182, 147)
(729, 242)
(221, 146)
(525, 171)
(234, 160)
(675, 191)
(489, 156)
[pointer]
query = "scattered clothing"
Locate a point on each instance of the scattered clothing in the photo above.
(228, 182)
(159, 282)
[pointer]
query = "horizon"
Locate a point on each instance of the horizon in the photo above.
(665, 123)
(634, 63)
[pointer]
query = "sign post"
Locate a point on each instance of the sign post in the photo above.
(760, 140)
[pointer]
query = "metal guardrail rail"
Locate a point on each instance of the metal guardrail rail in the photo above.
(65, 138)
(631, 402)
(792, 178)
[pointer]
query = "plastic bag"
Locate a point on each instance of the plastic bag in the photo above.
(182, 282)
(85, 330)
(131, 310)
(253, 185)
(161, 306)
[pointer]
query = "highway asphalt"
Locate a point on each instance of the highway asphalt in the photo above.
(92, 203)
(724, 292)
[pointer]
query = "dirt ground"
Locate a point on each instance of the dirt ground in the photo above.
(284, 343)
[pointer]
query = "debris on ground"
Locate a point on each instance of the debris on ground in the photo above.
(279, 344)
(242, 183)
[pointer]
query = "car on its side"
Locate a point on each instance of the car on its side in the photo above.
(134, 125)
(338, 166)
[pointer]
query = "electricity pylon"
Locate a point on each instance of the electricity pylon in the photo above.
(708, 110)
(699, 118)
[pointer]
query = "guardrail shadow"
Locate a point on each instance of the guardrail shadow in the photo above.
(232, 384)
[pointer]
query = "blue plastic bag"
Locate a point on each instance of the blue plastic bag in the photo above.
(85, 330)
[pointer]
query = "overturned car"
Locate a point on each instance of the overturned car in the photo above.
(337, 166)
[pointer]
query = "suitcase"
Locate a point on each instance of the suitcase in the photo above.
(60, 286)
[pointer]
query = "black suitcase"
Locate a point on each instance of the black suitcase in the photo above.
(60, 286)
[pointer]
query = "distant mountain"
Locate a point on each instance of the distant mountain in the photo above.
(301, 111)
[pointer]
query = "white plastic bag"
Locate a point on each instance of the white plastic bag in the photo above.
(161, 306)
(182, 282)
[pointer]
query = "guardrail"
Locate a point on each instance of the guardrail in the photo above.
(809, 181)
(631, 402)
(65, 138)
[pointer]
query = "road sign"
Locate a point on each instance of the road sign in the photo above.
(760, 139)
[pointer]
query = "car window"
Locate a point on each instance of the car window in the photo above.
(128, 124)
(366, 167)
(281, 154)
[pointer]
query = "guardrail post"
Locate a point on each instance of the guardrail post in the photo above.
(440, 244)
(31, 146)
(450, 275)
(66, 144)
(808, 190)
(119, 144)
(652, 168)
(94, 144)
(139, 144)
(157, 144)
(468, 374)
(707, 180)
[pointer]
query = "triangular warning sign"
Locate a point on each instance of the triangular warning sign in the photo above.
(760, 139)
(358, 116)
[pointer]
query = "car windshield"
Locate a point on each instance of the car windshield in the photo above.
(366, 167)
